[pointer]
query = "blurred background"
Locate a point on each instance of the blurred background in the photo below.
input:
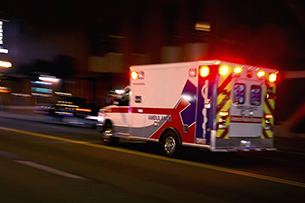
(85, 48)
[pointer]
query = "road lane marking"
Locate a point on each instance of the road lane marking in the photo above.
(201, 165)
(9, 155)
(50, 170)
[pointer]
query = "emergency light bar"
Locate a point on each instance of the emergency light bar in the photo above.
(204, 71)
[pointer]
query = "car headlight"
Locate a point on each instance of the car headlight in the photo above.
(101, 116)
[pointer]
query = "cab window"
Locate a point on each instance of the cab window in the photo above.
(239, 93)
(256, 93)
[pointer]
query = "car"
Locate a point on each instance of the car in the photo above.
(67, 106)
(70, 110)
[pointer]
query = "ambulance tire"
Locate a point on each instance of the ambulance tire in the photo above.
(109, 140)
(170, 145)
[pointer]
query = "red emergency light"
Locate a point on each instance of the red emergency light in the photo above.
(260, 74)
(272, 77)
(82, 109)
(134, 75)
(224, 114)
(238, 70)
(204, 71)
(223, 70)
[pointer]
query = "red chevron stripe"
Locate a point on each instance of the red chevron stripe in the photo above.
(224, 84)
(269, 107)
(223, 102)
(265, 135)
(223, 134)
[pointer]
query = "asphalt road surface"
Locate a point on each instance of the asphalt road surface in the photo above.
(53, 163)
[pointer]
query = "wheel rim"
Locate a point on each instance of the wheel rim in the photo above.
(107, 134)
(169, 145)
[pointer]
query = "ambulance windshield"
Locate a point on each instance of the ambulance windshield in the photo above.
(124, 101)
(120, 99)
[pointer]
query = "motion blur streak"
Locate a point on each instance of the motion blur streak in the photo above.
(200, 165)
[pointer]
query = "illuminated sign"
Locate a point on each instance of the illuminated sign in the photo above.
(1, 32)
(49, 78)
(42, 90)
(41, 83)
(2, 50)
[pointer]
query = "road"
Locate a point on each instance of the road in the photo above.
(53, 163)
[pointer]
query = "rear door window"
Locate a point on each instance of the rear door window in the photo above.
(255, 95)
(239, 93)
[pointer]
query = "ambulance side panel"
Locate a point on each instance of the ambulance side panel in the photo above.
(164, 97)
(161, 85)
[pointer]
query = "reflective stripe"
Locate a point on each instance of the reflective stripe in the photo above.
(269, 106)
(223, 104)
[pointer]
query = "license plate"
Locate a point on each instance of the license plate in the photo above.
(244, 143)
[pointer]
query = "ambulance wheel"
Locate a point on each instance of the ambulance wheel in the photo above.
(107, 135)
(170, 144)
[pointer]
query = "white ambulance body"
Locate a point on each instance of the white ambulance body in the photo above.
(216, 105)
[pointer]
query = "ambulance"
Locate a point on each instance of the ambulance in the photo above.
(214, 105)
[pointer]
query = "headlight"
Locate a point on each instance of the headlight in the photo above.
(101, 116)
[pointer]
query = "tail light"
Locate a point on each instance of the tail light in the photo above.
(224, 114)
(222, 119)
(268, 122)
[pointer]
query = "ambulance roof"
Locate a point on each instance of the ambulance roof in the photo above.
(192, 63)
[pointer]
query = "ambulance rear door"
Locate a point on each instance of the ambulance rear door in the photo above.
(246, 109)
